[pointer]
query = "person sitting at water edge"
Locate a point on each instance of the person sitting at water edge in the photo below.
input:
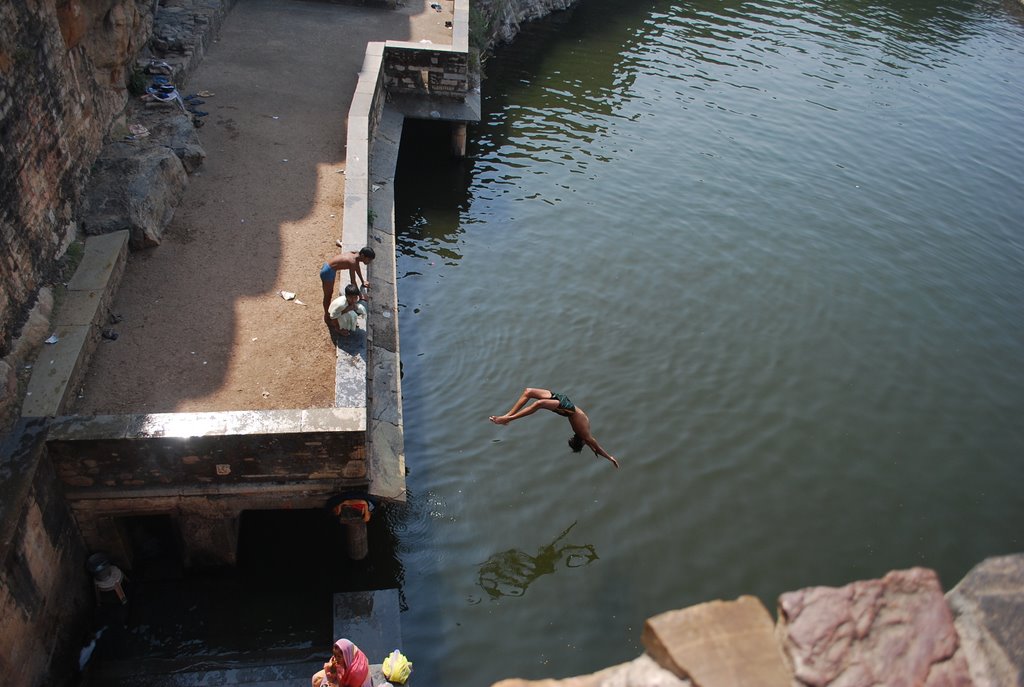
(351, 261)
(347, 667)
(344, 310)
(544, 399)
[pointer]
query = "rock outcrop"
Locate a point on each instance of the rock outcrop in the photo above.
(897, 631)
(988, 612)
(894, 631)
(136, 189)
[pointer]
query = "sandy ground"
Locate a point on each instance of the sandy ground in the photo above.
(204, 326)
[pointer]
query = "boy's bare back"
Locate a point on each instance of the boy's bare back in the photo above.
(344, 261)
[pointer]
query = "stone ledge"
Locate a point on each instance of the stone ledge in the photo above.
(59, 367)
(719, 643)
(226, 423)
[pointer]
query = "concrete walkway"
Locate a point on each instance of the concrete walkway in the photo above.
(203, 325)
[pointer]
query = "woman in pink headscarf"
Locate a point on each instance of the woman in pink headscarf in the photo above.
(348, 667)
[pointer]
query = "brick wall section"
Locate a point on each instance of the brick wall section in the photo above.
(230, 452)
(62, 81)
(415, 70)
(45, 591)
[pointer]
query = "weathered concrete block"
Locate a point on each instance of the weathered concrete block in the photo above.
(718, 644)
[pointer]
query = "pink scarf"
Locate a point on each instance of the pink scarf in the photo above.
(356, 669)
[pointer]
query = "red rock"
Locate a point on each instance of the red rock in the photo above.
(897, 631)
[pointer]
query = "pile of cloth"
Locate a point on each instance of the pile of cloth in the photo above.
(162, 89)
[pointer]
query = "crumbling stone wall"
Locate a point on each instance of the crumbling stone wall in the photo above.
(493, 22)
(45, 589)
(63, 74)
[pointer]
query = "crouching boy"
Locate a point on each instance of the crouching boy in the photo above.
(344, 310)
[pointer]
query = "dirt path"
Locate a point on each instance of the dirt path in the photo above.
(203, 325)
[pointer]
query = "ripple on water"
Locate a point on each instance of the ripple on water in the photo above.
(774, 252)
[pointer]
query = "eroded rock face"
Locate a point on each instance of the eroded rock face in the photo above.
(63, 67)
(504, 17)
(988, 611)
(174, 130)
(894, 631)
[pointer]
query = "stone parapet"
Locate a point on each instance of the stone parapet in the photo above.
(125, 456)
(398, 79)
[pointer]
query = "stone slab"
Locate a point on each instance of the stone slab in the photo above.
(81, 308)
(386, 451)
(350, 368)
(90, 427)
(58, 367)
(334, 420)
(54, 372)
(102, 263)
(370, 620)
(718, 644)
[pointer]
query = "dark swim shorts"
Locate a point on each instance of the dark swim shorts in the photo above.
(328, 273)
(564, 404)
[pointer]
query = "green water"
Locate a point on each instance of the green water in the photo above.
(775, 251)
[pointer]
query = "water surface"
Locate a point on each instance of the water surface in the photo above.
(775, 251)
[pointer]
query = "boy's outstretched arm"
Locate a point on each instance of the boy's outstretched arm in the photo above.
(598, 451)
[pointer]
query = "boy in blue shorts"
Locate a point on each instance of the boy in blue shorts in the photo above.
(351, 261)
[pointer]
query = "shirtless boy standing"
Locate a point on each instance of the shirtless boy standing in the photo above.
(351, 261)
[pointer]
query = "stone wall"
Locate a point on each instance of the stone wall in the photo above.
(495, 22)
(63, 74)
(45, 591)
(118, 455)
(431, 73)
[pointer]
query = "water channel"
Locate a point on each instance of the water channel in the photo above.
(775, 250)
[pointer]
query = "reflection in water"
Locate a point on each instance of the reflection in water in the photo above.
(509, 573)
(433, 188)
